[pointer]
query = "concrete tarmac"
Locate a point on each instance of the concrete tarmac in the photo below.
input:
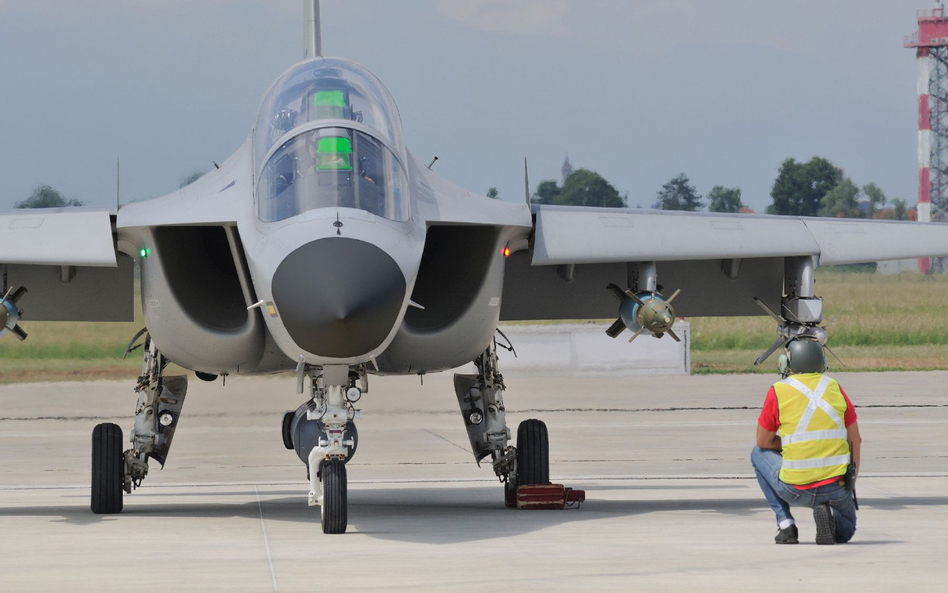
(672, 502)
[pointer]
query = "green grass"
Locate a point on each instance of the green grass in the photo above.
(886, 323)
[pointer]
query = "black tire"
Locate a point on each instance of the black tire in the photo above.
(108, 469)
(287, 423)
(335, 507)
(533, 453)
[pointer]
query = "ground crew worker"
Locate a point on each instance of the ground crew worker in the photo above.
(803, 446)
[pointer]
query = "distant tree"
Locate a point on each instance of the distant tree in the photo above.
(45, 196)
(492, 193)
(842, 201)
(900, 209)
(724, 199)
(876, 197)
(678, 195)
(588, 188)
(800, 187)
(546, 193)
(191, 179)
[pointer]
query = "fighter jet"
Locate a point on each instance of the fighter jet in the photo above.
(324, 247)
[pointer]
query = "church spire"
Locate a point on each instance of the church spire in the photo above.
(566, 169)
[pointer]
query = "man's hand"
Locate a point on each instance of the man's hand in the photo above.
(767, 439)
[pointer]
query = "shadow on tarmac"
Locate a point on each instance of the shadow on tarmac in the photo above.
(424, 515)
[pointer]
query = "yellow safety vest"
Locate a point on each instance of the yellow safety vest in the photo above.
(812, 430)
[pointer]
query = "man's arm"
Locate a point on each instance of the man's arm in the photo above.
(852, 434)
(767, 439)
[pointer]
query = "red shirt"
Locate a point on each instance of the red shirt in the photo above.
(770, 420)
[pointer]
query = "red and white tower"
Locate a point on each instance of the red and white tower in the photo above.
(931, 48)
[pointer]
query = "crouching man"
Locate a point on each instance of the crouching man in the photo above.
(803, 446)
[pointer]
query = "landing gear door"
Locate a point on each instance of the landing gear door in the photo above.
(170, 401)
(472, 405)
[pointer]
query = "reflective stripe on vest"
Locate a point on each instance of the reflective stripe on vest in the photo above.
(814, 445)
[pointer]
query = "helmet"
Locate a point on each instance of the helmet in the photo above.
(283, 121)
(802, 356)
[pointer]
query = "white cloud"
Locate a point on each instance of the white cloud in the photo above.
(546, 17)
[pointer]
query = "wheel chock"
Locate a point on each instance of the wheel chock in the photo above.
(548, 496)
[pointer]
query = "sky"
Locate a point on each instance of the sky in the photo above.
(637, 90)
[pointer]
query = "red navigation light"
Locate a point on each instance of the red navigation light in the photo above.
(505, 251)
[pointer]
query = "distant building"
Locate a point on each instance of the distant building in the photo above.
(566, 170)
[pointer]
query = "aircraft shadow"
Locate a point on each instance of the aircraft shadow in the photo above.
(423, 515)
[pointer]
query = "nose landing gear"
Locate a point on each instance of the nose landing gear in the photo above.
(323, 434)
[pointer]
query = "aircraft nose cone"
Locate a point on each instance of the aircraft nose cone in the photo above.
(338, 297)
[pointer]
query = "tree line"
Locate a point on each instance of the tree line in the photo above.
(813, 188)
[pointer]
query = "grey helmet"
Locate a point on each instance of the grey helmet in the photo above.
(803, 355)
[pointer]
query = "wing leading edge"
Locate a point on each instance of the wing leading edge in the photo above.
(720, 262)
(570, 235)
(58, 237)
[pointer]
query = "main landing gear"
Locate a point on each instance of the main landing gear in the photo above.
(160, 400)
(481, 398)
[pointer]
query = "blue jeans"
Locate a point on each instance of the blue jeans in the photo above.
(781, 496)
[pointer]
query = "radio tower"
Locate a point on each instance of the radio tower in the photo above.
(931, 49)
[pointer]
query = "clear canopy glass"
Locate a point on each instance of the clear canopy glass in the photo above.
(325, 89)
(312, 151)
(333, 168)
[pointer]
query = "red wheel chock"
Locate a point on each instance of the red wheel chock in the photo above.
(548, 496)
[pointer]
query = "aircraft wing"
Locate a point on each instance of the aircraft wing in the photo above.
(58, 236)
(719, 261)
(67, 260)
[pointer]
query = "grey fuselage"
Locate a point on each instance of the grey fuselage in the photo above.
(335, 249)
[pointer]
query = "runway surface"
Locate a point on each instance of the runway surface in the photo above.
(672, 503)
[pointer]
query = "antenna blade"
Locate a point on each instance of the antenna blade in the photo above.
(312, 35)
(618, 292)
(615, 329)
(768, 310)
(526, 180)
(634, 298)
(18, 294)
(834, 356)
(636, 334)
(835, 317)
(780, 342)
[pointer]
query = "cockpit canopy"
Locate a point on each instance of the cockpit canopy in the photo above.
(329, 135)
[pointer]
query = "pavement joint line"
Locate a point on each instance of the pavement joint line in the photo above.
(26, 488)
(510, 410)
(449, 441)
(266, 541)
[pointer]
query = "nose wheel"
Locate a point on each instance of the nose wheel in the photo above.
(108, 469)
(333, 507)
